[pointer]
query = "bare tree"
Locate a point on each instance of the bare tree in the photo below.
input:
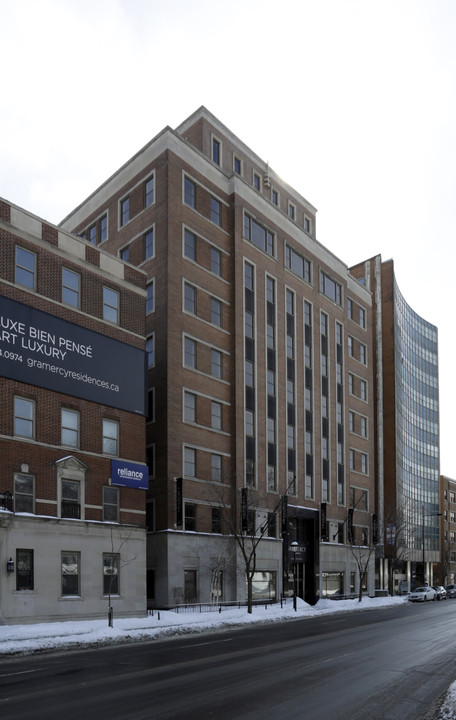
(112, 564)
(248, 521)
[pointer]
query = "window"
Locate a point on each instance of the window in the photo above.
(363, 426)
(24, 417)
(190, 516)
(103, 228)
(297, 264)
(350, 308)
(149, 250)
(70, 564)
(93, 234)
(189, 353)
(111, 564)
(216, 363)
(110, 503)
(124, 211)
(150, 350)
(110, 437)
(189, 245)
(190, 586)
(70, 287)
(149, 191)
(256, 181)
(216, 261)
(237, 165)
(258, 235)
(110, 305)
(190, 298)
(216, 312)
(189, 407)
(25, 268)
(330, 288)
(70, 428)
(216, 468)
(150, 298)
(216, 415)
(189, 192)
(24, 569)
(291, 211)
(364, 463)
(71, 505)
(125, 254)
(307, 225)
(362, 318)
(24, 493)
(362, 353)
(352, 459)
(189, 462)
(351, 421)
(363, 389)
(216, 151)
(216, 520)
(275, 197)
(216, 211)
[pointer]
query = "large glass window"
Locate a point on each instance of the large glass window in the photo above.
(150, 299)
(111, 565)
(189, 353)
(189, 245)
(110, 503)
(149, 191)
(150, 350)
(70, 564)
(24, 417)
(71, 504)
(189, 407)
(190, 298)
(149, 248)
(24, 569)
(70, 287)
(124, 211)
(70, 428)
(216, 261)
(216, 415)
(25, 267)
(258, 235)
(110, 437)
(110, 305)
(330, 288)
(24, 493)
(297, 263)
(189, 462)
(216, 312)
(190, 516)
(189, 192)
(264, 585)
(216, 211)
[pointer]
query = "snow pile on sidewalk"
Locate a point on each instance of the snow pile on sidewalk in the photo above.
(26, 639)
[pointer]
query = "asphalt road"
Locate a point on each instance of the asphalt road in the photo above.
(392, 664)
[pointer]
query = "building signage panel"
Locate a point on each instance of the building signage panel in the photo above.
(43, 350)
(129, 474)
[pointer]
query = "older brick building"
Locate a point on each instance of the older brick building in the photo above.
(261, 371)
(72, 426)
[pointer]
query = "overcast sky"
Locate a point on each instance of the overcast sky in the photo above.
(352, 102)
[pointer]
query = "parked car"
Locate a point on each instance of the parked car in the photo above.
(422, 594)
(451, 591)
(440, 592)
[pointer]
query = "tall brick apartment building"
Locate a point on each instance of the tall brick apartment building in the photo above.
(73, 477)
(261, 371)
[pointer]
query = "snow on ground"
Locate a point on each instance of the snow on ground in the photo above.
(27, 639)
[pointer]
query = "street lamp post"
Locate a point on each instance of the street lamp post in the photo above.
(424, 556)
(294, 547)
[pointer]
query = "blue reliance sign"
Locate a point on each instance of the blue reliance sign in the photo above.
(129, 474)
(44, 350)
